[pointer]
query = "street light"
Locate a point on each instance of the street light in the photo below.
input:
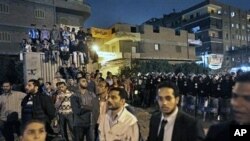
(95, 48)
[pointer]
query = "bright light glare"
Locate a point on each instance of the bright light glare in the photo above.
(95, 48)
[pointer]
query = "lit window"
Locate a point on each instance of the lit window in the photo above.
(232, 14)
(237, 26)
(232, 25)
(157, 47)
(219, 12)
(232, 47)
(233, 59)
(243, 27)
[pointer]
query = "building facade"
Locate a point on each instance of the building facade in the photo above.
(129, 42)
(221, 28)
(16, 17)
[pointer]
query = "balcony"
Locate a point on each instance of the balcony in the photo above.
(212, 39)
(196, 18)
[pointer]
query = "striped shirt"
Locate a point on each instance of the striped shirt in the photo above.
(9, 103)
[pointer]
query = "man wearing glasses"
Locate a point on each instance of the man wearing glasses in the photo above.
(240, 103)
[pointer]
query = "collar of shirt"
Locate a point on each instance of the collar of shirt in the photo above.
(171, 118)
(117, 118)
(9, 93)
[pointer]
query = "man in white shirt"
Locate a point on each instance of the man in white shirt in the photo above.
(10, 111)
(118, 123)
(171, 124)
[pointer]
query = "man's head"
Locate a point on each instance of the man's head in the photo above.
(54, 26)
(58, 75)
(71, 82)
(240, 101)
(87, 75)
(102, 87)
(79, 75)
(48, 85)
(40, 81)
(167, 97)
(32, 86)
(82, 82)
(7, 86)
(34, 130)
(115, 79)
(116, 98)
(62, 87)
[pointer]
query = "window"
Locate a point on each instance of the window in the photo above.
(157, 47)
(177, 32)
(191, 16)
(219, 12)
(197, 14)
(4, 8)
(243, 27)
(232, 36)
(113, 30)
(237, 26)
(133, 29)
(232, 25)
(227, 36)
(233, 14)
(237, 37)
(156, 29)
(5, 37)
(39, 14)
(227, 47)
(178, 49)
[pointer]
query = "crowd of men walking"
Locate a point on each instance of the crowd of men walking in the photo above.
(89, 107)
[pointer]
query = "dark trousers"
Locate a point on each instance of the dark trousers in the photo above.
(64, 121)
(81, 132)
(9, 128)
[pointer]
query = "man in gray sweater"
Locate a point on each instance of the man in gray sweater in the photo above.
(85, 106)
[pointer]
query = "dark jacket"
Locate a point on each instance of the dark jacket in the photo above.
(186, 128)
(85, 109)
(220, 132)
(42, 109)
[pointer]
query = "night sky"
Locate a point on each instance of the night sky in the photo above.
(105, 13)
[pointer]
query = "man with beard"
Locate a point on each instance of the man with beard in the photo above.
(37, 106)
(171, 124)
(118, 123)
(85, 108)
(63, 105)
(240, 103)
(10, 111)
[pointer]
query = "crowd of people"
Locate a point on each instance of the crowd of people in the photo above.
(60, 41)
(79, 106)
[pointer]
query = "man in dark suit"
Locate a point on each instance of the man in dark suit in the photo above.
(240, 103)
(171, 124)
